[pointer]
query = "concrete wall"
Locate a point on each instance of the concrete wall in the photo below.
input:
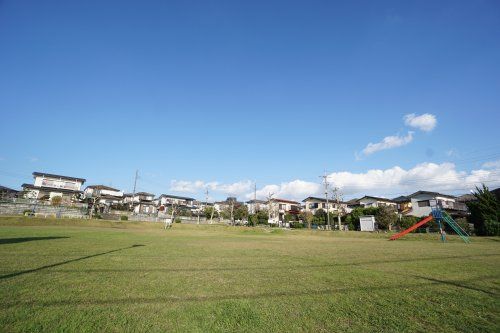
(8, 208)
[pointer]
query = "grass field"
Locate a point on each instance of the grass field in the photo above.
(63, 275)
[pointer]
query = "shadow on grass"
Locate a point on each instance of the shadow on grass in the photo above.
(218, 298)
(11, 275)
(27, 239)
(265, 268)
(458, 284)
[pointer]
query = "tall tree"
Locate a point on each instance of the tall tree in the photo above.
(485, 212)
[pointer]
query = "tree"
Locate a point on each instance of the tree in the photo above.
(262, 216)
(290, 217)
(386, 217)
(307, 217)
(56, 200)
(241, 212)
(210, 212)
(407, 221)
(319, 217)
(485, 212)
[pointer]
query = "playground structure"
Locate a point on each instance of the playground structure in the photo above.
(441, 217)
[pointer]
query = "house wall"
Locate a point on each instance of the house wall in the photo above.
(426, 210)
(176, 201)
(58, 183)
(370, 202)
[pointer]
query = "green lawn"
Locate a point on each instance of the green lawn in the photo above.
(62, 275)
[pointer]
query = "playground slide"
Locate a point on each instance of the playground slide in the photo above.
(413, 227)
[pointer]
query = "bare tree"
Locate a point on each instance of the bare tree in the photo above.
(271, 205)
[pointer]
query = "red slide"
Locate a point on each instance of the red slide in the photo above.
(413, 227)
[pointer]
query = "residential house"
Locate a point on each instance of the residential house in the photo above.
(46, 186)
(255, 205)
(403, 204)
(370, 201)
(141, 202)
(278, 208)
(165, 201)
(313, 204)
(225, 205)
(7, 193)
(105, 197)
(421, 202)
(168, 200)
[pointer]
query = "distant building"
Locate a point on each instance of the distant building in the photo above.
(7, 193)
(168, 200)
(369, 201)
(255, 205)
(403, 204)
(219, 206)
(105, 196)
(46, 186)
(278, 208)
(421, 204)
(141, 202)
(313, 204)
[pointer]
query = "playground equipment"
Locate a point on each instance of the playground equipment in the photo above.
(441, 217)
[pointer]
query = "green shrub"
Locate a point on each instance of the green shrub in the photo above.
(28, 212)
(177, 220)
(56, 200)
(296, 225)
(407, 221)
(124, 218)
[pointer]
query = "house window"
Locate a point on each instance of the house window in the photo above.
(424, 203)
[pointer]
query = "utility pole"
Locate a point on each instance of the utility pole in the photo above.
(255, 208)
(135, 179)
(135, 185)
(325, 180)
(206, 202)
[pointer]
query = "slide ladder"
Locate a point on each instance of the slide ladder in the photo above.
(456, 227)
(413, 227)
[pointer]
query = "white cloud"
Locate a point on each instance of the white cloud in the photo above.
(424, 176)
(389, 182)
(387, 143)
(492, 165)
(426, 122)
(33, 159)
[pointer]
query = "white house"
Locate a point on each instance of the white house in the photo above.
(369, 201)
(420, 203)
(313, 204)
(278, 208)
(104, 196)
(219, 206)
(169, 200)
(255, 205)
(141, 202)
(47, 186)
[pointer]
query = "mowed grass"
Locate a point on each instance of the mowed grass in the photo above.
(64, 275)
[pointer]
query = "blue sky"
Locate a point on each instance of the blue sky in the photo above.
(219, 94)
